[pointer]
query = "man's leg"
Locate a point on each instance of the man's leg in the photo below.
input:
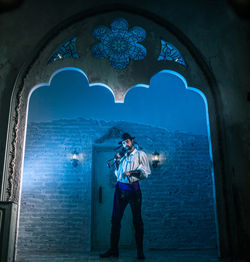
(119, 204)
(135, 204)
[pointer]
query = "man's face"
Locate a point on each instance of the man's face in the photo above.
(127, 144)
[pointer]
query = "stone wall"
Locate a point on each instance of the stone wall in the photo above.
(217, 32)
(178, 203)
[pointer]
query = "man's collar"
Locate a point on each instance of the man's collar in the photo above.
(133, 152)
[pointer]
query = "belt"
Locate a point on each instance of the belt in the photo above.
(131, 187)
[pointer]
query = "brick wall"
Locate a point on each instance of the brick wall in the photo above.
(55, 212)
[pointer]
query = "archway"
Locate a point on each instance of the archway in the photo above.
(55, 131)
(197, 74)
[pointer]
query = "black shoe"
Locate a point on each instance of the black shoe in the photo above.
(110, 253)
(140, 254)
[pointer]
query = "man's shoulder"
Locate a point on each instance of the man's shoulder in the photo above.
(141, 152)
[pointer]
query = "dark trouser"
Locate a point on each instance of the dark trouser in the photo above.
(121, 199)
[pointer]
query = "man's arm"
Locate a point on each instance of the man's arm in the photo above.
(117, 163)
(144, 165)
(142, 171)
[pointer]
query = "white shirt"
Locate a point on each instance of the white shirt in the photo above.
(136, 160)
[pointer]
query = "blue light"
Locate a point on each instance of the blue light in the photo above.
(167, 102)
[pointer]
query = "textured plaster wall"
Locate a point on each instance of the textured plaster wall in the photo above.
(218, 33)
(178, 204)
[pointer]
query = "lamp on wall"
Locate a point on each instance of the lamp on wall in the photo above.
(75, 159)
(155, 159)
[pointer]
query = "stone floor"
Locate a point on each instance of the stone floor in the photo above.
(125, 256)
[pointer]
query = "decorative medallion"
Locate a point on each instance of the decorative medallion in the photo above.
(170, 52)
(65, 50)
(119, 44)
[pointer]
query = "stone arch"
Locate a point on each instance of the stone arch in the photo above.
(37, 70)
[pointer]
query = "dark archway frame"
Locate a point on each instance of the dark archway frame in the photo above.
(16, 129)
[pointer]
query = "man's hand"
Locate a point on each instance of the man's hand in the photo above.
(127, 173)
(118, 156)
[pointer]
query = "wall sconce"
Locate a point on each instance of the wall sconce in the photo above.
(75, 159)
(155, 159)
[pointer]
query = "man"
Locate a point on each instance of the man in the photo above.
(130, 168)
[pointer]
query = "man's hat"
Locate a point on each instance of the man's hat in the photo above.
(126, 136)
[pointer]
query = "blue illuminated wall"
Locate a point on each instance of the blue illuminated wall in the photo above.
(56, 197)
(68, 115)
